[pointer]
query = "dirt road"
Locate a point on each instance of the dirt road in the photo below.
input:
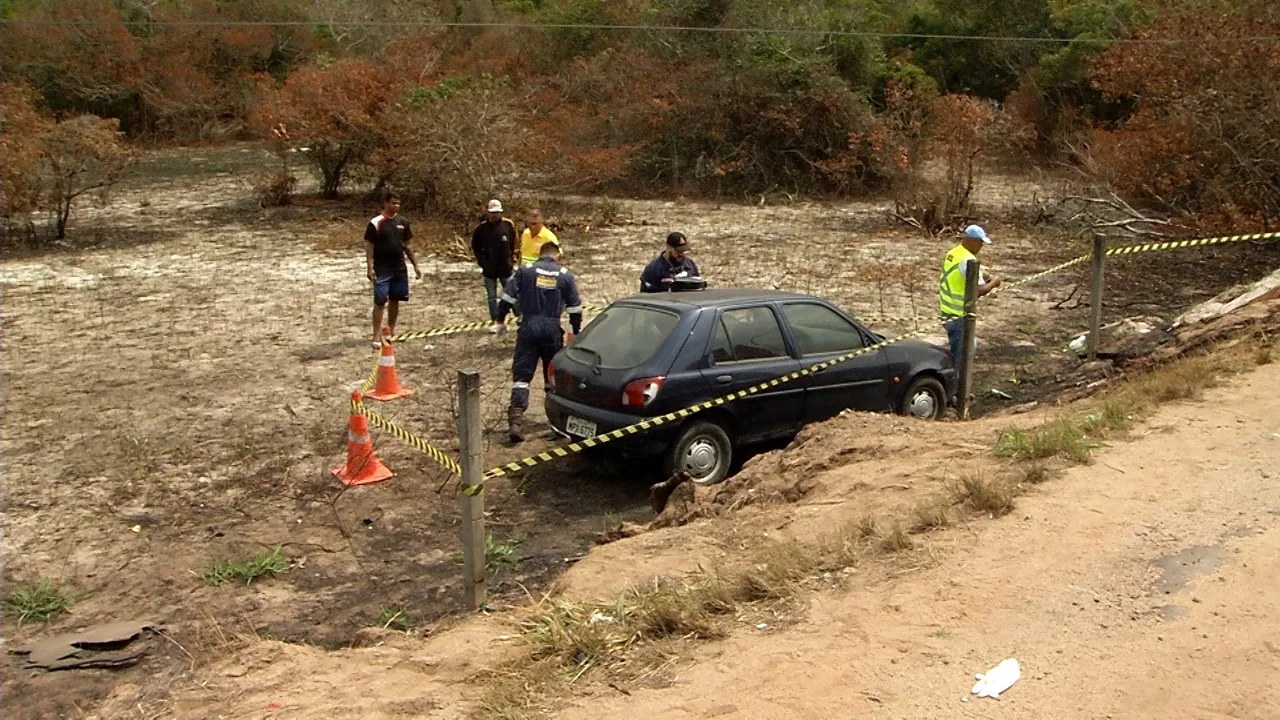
(1146, 585)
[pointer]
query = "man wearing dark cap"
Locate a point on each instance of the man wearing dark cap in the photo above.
(672, 269)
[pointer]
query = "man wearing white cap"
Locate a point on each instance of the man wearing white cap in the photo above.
(951, 286)
(493, 242)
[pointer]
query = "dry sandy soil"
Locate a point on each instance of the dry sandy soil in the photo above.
(177, 394)
(1141, 586)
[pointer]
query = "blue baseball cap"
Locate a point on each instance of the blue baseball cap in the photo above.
(977, 233)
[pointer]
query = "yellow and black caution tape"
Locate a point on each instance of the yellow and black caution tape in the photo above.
(463, 327)
(913, 319)
(408, 438)
(1143, 248)
(372, 377)
(437, 332)
(1043, 273)
(650, 423)
(1179, 244)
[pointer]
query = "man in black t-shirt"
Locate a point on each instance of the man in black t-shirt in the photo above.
(387, 240)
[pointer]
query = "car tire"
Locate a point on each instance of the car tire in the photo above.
(703, 451)
(925, 398)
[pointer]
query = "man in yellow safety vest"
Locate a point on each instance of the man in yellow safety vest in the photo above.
(535, 235)
(951, 285)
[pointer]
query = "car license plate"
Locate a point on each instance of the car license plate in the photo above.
(579, 427)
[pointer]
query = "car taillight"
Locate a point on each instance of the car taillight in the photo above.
(639, 393)
(551, 377)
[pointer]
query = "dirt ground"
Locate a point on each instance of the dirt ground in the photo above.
(1144, 586)
(177, 394)
(1140, 586)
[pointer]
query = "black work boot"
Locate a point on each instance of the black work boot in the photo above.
(515, 419)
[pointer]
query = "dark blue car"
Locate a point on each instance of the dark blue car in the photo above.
(652, 354)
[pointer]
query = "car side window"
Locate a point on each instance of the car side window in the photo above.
(721, 350)
(753, 334)
(820, 330)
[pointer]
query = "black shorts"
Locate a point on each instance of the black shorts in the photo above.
(393, 287)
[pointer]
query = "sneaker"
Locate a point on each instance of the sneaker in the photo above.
(376, 345)
(493, 329)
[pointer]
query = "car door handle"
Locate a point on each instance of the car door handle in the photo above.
(724, 379)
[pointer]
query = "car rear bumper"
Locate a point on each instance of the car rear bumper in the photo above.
(646, 442)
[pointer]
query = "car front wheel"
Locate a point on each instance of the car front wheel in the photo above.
(703, 452)
(925, 398)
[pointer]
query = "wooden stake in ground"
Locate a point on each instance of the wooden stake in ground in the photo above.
(471, 441)
(969, 340)
(1095, 297)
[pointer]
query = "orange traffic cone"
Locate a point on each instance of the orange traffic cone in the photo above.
(388, 385)
(362, 467)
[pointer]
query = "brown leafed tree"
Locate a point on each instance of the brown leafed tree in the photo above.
(22, 135)
(88, 63)
(83, 155)
(452, 145)
(337, 113)
(1204, 136)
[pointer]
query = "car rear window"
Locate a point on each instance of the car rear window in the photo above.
(623, 337)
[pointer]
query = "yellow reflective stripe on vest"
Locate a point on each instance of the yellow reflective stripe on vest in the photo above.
(951, 282)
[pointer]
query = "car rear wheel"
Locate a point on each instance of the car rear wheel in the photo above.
(925, 398)
(703, 452)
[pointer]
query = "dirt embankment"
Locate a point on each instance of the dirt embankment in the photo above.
(1142, 585)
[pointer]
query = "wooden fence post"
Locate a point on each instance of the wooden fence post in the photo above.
(471, 441)
(969, 339)
(1095, 297)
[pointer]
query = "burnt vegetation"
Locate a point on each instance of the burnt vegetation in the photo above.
(831, 97)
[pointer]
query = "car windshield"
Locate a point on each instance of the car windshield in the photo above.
(623, 337)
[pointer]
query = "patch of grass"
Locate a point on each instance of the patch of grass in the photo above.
(1035, 473)
(780, 567)
(499, 556)
(983, 495)
(41, 602)
(612, 521)
(267, 563)
(941, 633)
(395, 618)
(896, 540)
(867, 527)
(1060, 438)
(930, 515)
(1113, 418)
(511, 696)
(688, 611)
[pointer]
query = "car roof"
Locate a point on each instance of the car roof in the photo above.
(681, 301)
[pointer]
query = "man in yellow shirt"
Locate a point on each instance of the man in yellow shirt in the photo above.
(533, 238)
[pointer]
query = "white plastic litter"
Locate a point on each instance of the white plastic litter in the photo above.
(997, 679)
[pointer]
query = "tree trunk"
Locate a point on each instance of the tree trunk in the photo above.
(64, 212)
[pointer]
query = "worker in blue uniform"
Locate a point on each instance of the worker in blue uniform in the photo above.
(544, 289)
(673, 270)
